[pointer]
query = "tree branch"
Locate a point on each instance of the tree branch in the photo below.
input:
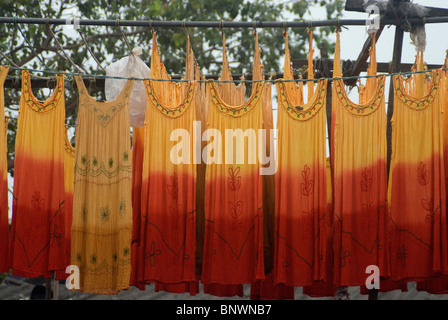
(93, 38)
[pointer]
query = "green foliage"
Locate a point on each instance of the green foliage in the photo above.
(108, 45)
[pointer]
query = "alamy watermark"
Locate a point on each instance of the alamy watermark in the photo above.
(239, 145)
(373, 22)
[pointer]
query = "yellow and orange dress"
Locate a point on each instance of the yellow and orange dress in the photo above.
(168, 186)
(359, 181)
(417, 191)
(438, 284)
(102, 197)
(4, 215)
(233, 244)
(38, 222)
(300, 186)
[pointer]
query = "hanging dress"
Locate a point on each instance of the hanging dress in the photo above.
(233, 245)
(102, 202)
(267, 289)
(439, 284)
(360, 181)
(4, 214)
(168, 193)
(417, 192)
(300, 186)
(37, 230)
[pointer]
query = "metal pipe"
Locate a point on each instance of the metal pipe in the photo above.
(217, 24)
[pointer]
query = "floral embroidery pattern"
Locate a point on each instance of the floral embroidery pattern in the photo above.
(173, 188)
(318, 101)
(86, 169)
(234, 180)
(417, 103)
(42, 106)
(170, 112)
(103, 116)
(423, 178)
(307, 190)
(239, 110)
(235, 210)
(364, 109)
(152, 253)
(105, 214)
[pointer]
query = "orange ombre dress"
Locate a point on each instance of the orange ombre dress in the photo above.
(359, 181)
(168, 189)
(300, 184)
(38, 222)
(233, 245)
(4, 215)
(438, 284)
(417, 192)
(102, 198)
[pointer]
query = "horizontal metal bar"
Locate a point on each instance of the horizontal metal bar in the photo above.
(216, 24)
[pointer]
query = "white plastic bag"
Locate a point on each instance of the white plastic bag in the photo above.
(131, 66)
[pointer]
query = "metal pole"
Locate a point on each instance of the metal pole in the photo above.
(216, 24)
(395, 66)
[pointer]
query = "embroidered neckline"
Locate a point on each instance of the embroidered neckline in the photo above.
(413, 102)
(68, 146)
(35, 104)
(360, 109)
(171, 112)
(310, 109)
(236, 111)
(104, 116)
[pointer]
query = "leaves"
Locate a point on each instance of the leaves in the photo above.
(307, 184)
(234, 180)
(423, 175)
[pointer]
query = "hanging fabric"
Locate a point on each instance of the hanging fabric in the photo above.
(360, 180)
(233, 244)
(300, 187)
(439, 284)
(267, 289)
(168, 192)
(326, 288)
(417, 192)
(69, 172)
(102, 202)
(39, 206)
(202, 99)
(4, 208)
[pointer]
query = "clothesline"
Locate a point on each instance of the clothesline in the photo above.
(231, 81)
(75, 21)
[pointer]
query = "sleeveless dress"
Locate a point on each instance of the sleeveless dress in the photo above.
(438, 284)
(39, 206)
(4, 215)
(233, 245)
(168, 190)
(102, 202)
(417, 191)
(360, 182)
(300, 186)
